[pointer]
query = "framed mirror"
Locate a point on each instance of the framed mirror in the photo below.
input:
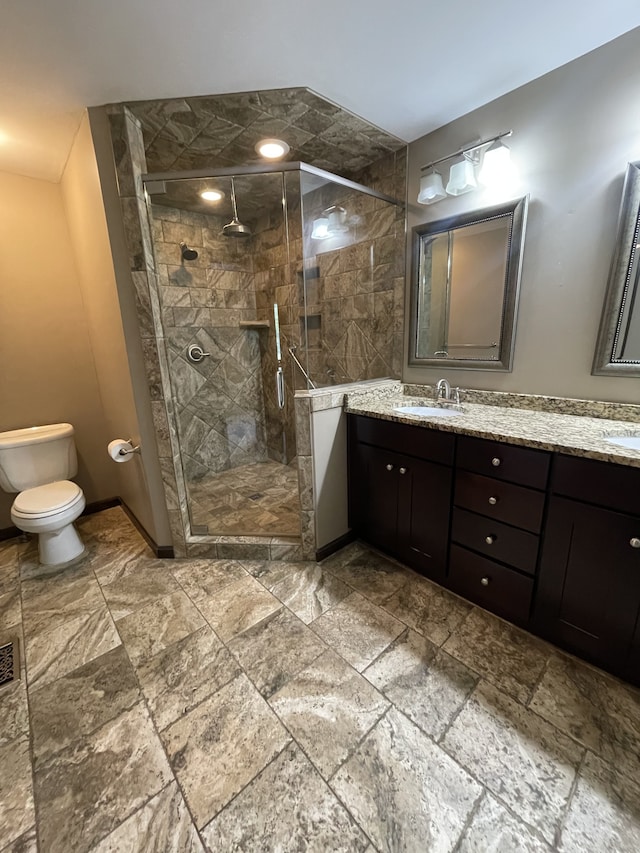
(466, 280)
(618, 347)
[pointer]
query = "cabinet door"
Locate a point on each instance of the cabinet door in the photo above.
(424, 501)
(588, 595)
(374, 495)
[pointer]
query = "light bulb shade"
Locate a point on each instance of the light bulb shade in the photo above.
(431, 189)
(337, 222)
(496, 164)
(462, 178)
(320, 229)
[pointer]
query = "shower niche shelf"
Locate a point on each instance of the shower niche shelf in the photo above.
(254, 324)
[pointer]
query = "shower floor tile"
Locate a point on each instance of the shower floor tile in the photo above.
(253, 500)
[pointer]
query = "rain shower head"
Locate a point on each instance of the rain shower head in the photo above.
(235, 228)
(187, 253)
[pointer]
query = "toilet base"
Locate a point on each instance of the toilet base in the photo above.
(59, 546)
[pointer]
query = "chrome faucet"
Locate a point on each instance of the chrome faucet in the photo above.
(444, 391)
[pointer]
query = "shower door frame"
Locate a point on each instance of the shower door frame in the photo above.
(192, 539)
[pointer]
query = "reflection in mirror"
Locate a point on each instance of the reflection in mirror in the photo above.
(465, 288)
(618, 348)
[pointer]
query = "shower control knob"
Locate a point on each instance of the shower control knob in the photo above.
(196, 354)
(389, 467)
(635, 542)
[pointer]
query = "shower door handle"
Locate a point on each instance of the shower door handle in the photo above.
(280, 387)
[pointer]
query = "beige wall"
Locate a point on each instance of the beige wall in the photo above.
(48, 372)
(90, 244)
(574, 130)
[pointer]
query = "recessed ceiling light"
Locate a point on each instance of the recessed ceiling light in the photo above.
(212, 195)
(272, 149)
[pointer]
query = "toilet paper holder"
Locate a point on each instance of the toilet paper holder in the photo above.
(125, 452)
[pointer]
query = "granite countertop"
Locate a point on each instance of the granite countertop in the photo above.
(575, 435)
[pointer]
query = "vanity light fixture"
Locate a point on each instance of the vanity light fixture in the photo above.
(431, 188)
(332, 223)
(496, 164)
(272, 149)
(320, 230)
(212, 195)
(462, 177)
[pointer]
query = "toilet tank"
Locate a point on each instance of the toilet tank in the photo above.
(36, 455)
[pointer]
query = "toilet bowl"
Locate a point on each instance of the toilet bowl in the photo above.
(36, 462)
(49, 511)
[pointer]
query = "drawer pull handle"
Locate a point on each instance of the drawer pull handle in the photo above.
(496, 462)
(389, 467)
(493, 501)
(635, 542)
(403, 470)
(485, 581)
(490, 539)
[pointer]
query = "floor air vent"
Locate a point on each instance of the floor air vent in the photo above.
(9, 661)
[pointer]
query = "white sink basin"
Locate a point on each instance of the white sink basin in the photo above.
(630, 441)
(427, 411)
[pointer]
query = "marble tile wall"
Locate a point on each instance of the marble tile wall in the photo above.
(219, 402)
(194, 132)
(222, 130)
(355, 291)
(278, 261)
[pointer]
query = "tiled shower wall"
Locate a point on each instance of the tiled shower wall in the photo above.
(129, 156)
(219, 402)
(355, 292)
(278, 265)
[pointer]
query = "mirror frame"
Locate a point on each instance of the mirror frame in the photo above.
(627, 234)
(518, 210)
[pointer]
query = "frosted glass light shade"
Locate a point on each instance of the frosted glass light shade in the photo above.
(431, 189)
(320, 229)
(496, 164)
(462, 178)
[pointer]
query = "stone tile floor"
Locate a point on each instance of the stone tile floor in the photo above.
(251, 500)
(195, 705)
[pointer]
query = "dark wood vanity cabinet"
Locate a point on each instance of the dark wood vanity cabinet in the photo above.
(400, 501)
(588, 597)
(549, 542)
(499, 501)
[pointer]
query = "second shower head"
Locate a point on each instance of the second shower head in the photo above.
(187, 253)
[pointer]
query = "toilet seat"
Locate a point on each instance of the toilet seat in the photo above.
(47, 500)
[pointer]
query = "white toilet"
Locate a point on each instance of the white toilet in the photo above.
(36, 462)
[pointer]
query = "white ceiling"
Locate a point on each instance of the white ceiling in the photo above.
(408, 66)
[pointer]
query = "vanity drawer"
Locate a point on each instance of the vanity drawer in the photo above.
(506, 502)
(508, 544)
(615, 487)
(417, 441)
(520, 465)
(495, 587)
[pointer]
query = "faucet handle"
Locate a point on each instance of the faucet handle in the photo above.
(456, 395)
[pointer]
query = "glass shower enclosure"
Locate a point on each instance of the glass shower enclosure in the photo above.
(270, 279)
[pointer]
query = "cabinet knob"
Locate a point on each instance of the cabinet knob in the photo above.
(389, 467)
(490, 539)
(496, 462)
(635, 542)
(493, 501)
(403, 470)
(485, 581)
